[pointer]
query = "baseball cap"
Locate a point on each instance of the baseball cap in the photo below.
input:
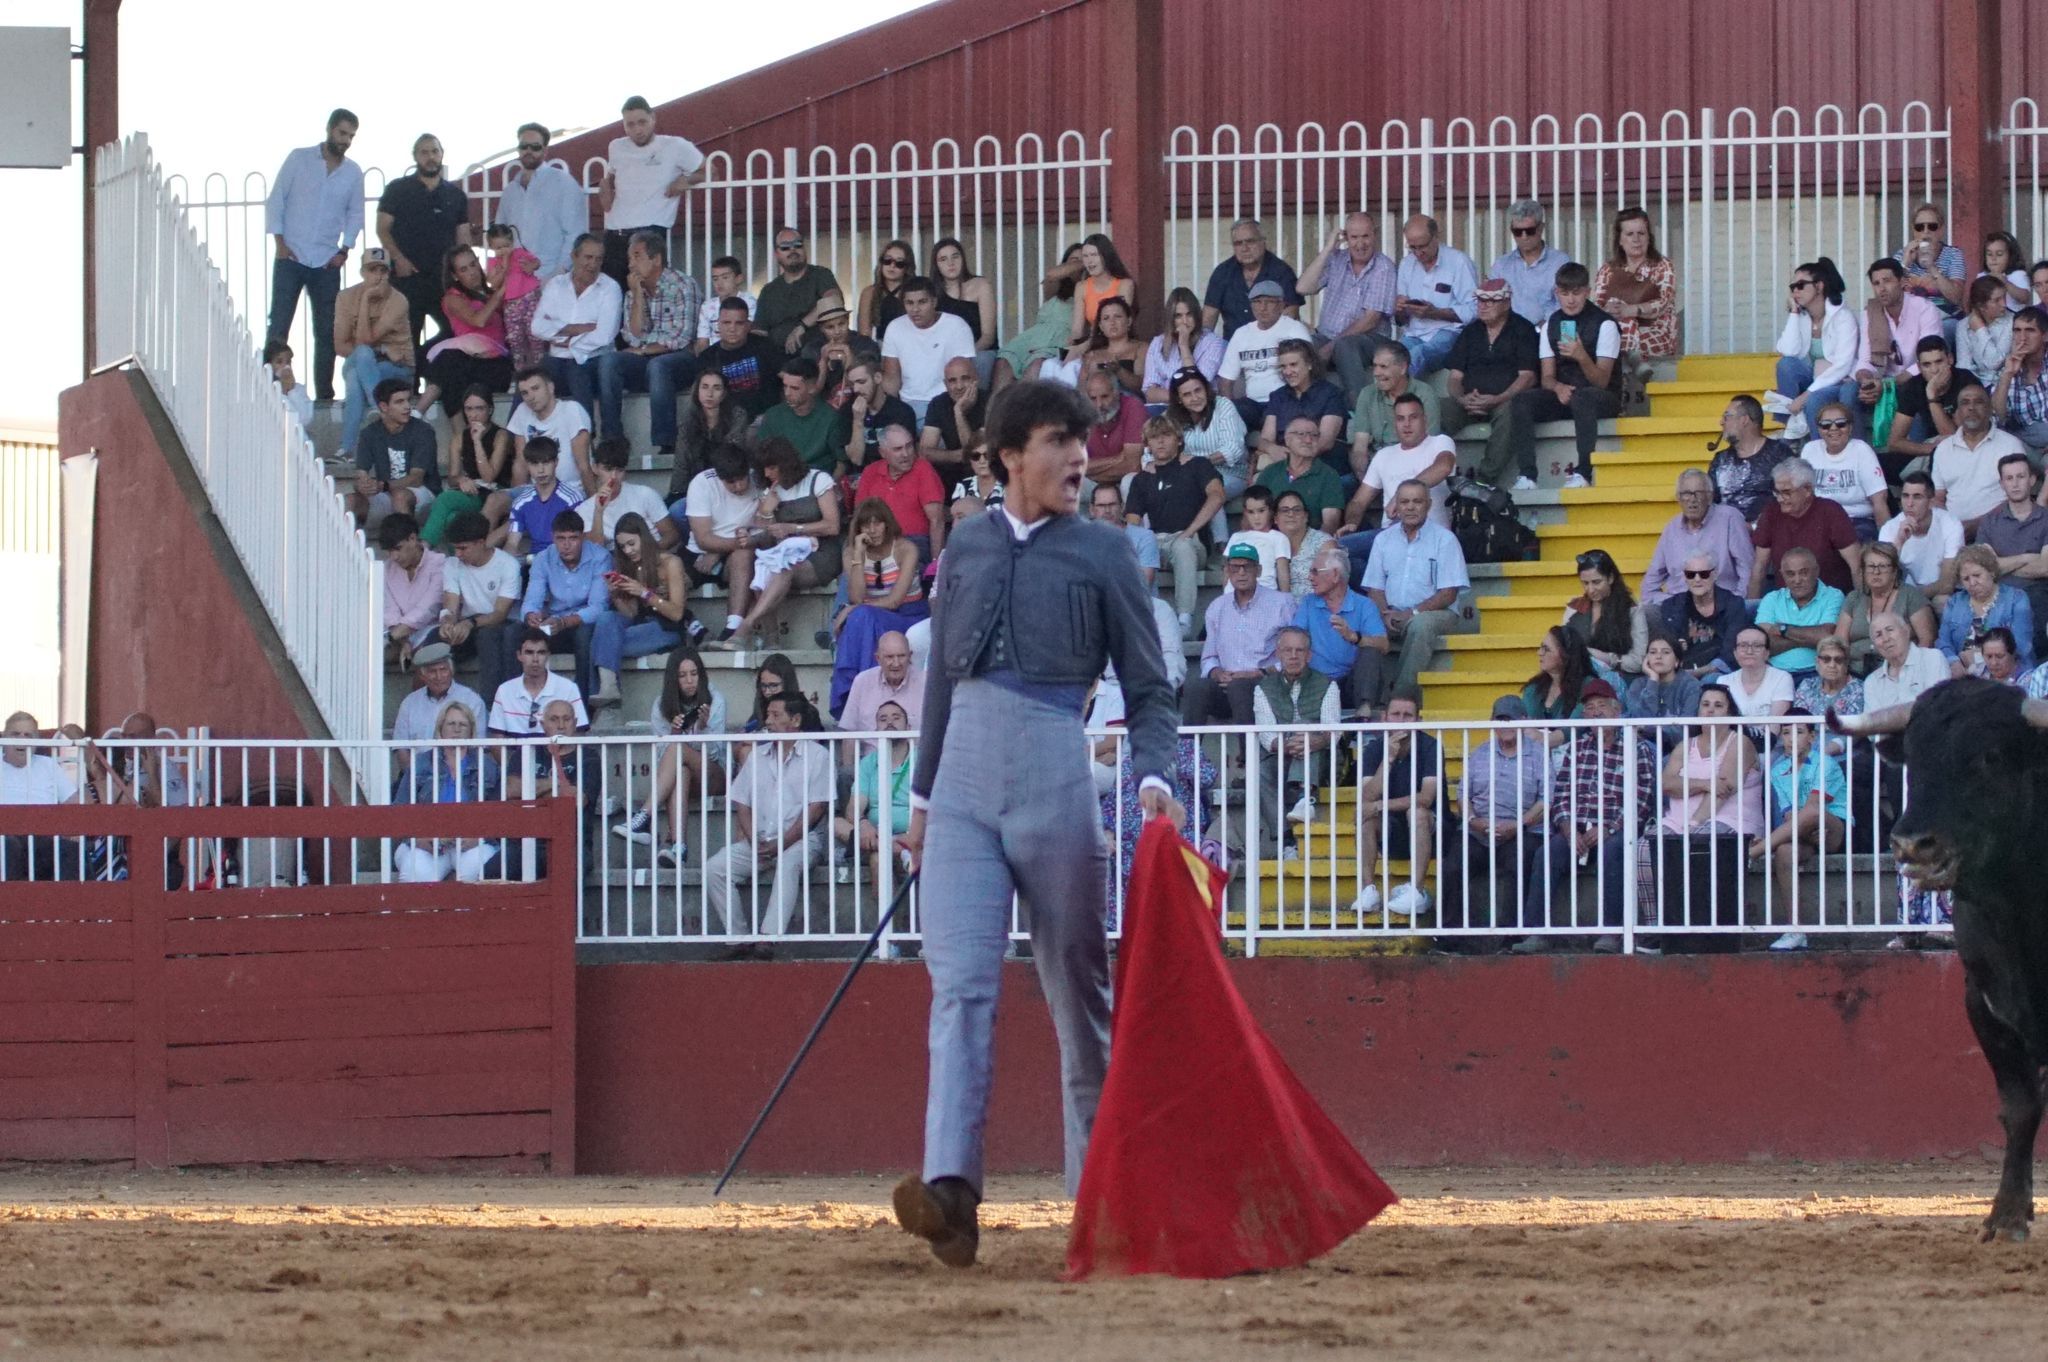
(375, 255)
(432, 653)
(1266, 288)
(1510, 707)
(1494, 291)
(1244, 553)
(1596, 689)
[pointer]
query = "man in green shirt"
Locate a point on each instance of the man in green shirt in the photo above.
(1372, 424)
(792, 302)
(1303, 472)
(802, 419)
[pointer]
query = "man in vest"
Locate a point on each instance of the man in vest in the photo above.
(1580, 349)
(1293, 696)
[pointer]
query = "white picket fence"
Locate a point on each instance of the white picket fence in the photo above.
(30, 563)
(163, 305)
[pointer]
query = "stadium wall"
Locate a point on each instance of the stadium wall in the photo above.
(1573, 1060)
(176, 628)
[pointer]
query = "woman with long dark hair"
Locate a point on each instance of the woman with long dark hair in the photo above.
(1183, 344)
(475, 354)
(688, 707)
(1817, 350)
(1605, 615)
(1103, 275)
(1209, 429)
(796, 540)
(881, 301)
(1110, 347)
(966, 295)
(885, 592)
(710, 418)
(475, 469)
(775, 676)
(649, 597)
(1562, 670)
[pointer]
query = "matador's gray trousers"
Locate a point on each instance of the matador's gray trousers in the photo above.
(1012, 808)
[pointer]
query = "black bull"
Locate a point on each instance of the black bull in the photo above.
(1976, 757)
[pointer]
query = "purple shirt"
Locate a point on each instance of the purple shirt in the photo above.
(1724, 533)
(1348, 295)
(1240, 638)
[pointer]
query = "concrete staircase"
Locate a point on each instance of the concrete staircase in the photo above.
(1623, 513)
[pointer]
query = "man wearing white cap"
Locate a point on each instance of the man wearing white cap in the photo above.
(419, 711)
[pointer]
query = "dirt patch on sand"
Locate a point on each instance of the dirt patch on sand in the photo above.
(1771, 1261)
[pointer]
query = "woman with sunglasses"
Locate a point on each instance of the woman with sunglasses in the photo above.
(1846, 472)
(1885, 590)
(1607, 618)
(879, 301)
(1817, 348)
(1934, 266)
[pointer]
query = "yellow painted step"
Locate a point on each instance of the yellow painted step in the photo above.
(1740, 369)
(1326, 948)
(1569, 539)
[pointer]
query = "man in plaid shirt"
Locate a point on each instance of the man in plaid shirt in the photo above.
(2019, 397)
(656, 325)
(1588, 820)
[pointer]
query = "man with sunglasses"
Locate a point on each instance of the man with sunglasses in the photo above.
(800, 293)
(1934, 267)
(1703, 620)
(542, 203)
(1531, 266)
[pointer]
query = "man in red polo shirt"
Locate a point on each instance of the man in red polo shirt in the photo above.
(1798, 519)
(1116, 441)
(910, 485)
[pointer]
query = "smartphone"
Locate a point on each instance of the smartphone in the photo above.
(1568, 330)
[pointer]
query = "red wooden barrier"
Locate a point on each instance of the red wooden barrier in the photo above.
(387, 1023)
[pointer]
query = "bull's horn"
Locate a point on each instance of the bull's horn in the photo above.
(2035, 712)
(1892, 719)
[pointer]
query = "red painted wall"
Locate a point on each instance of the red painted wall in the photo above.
(1573, 1060)
(168, 634)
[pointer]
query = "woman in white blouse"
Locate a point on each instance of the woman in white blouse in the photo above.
(1759, 689)
(1984, 338)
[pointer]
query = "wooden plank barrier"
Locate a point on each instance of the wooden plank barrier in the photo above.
(351, 1023)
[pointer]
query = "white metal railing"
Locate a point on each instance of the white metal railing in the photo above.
(1297, 873)
(2025, 138)
(163, 304)
(30, 542)
(1736, 197)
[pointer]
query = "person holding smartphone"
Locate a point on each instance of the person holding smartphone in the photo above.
(1579, 349)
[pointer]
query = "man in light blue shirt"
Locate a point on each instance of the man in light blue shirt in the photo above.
(1798, 614)
(1434, 295)
(1347, 640)
(565, 593)
(540, 202)
(1531, 267)
(1413, 576)
(1106, 504)
(315, 211)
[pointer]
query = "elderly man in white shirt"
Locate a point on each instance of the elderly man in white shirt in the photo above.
(779, 799)
(648, 174)
(578, 317)
(1414, 575)
(1905, 670)
(1965, 465)
(542, 203)
(1435, 294)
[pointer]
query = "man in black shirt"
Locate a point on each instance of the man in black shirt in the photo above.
(1492, 362)
(1177, 500)
(1927, 406)
(420, 217)
(750, 363)
(868, 412)
(954, 419)
(398, 461)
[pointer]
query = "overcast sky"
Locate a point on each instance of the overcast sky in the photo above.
(237, 91)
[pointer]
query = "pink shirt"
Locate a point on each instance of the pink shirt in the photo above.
(522, 276)
(870, 692)
(414, 602)
(1917, 320)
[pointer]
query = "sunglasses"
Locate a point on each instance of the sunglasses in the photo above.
(1596, 559)
(1699, 576)
(533, 146)
(796, 245)
(896, 261)
(1526, 231)
(1798, 284)
(1832, 425)
(1926, 226)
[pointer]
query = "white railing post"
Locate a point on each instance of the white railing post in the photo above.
(1425, 147)
(1254, 846)
(791, 200)
(1698, 254)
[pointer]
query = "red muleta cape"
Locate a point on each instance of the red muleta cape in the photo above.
(1208, 1157)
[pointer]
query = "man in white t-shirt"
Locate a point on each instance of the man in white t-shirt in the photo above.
(721, 503)
(517, 704)
(1965, 465)
(1927, 537)
(615, 497)
(479, 586)
(1251, 360)
(31, 777)
(727, 276)
(649, 172)
(1420, 457)
(540, 412)
(917, 346)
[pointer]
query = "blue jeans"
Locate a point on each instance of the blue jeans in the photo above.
(1427, 353)
(361, 372)
(659, 376)
(1795, 376)
(617, 640)
(287, 277)
(1359, 546)
(575, 381)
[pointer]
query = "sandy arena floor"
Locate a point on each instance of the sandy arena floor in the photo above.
(1752, 1263)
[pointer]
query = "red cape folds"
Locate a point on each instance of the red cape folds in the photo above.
(1208, 1157)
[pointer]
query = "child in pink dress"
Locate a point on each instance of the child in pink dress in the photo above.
(517, 271)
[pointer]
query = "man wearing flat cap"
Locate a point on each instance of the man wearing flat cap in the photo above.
(1492, 362)
(434, 667)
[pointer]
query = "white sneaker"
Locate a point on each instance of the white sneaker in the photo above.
(1408, 901)
(1607, 945)
(674, 855)
(1575, 480)
(1290, 852)
(636, 829)
(1897, 943)
(1790, 941)
(1523, 484)
(1187, 622)
(1795, 427)
(1304, 811)
(609, 807)
(1368, 900)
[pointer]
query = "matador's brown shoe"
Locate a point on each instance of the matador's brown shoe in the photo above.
(942, 1212)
